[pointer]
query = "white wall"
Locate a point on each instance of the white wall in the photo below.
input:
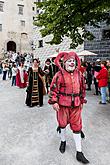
(12, 29)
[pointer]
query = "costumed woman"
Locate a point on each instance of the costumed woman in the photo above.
(35, 89)
(67, 95)
(21, 76)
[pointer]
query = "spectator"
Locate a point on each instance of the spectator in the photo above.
(14, 72)
(96, 69)
(102, 78)
(108, 67)
(21, 76)
(5, 69)
(0, 67)
(89, 76)
(48, 74)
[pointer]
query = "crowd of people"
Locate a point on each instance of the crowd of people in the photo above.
(98, 73)
(17, 68)
(24, 71)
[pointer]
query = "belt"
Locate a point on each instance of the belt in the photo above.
(70, 94)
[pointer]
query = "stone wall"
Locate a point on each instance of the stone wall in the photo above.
(12, 29)
(99, 45)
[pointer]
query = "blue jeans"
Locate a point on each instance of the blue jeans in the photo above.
(4, 75)
(0, 70)
(14, 80)
(103, 94)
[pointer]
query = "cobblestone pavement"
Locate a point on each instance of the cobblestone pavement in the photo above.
(28, 135)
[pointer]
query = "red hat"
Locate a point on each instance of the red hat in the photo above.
(66, 56)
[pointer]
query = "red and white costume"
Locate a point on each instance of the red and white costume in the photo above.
(68, 90)
(67, 93)
(21, 77)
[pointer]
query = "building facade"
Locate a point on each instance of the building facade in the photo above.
(16, 25)
(42, 50)
(101, 44)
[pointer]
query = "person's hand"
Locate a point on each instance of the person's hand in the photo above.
(81, 106)
(83, 101)
(55, 106)
(46, 71)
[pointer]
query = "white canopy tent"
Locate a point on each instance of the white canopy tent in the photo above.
(86, 53)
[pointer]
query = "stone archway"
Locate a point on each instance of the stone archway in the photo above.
(11, 46)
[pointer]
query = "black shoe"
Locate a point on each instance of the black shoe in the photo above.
(101, 103)
(81, 158)
(41, 105)
(82, 135)
(62, 147)
(58, 129)
(30, 106)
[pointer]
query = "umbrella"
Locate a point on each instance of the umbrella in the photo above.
(86, 53)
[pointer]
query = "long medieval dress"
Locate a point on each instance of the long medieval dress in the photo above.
(35, 89)
(21, 77)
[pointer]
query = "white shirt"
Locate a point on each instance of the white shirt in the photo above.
(14, 71)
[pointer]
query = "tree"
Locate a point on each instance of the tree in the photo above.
(69, 17)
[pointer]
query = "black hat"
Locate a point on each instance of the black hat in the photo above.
(48, 60)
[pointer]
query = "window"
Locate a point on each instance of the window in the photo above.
(40, 43)
(0, 27)
(21, 9)
(24, 35)
(106, 34)
(34, 19)
(1, 6)
(37, 11)
(22, 23)
(33, 8)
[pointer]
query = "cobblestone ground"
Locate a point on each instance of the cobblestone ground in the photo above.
(28, 135)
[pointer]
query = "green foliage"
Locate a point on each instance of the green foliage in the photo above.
(69, 18)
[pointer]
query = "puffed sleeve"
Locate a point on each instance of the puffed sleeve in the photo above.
(54, 88)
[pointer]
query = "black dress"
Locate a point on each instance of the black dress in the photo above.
(35, 88)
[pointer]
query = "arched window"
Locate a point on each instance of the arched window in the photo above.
(11, 46)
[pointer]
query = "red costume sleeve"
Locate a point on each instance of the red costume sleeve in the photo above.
(54, 88)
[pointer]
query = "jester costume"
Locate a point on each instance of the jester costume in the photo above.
(67, 91)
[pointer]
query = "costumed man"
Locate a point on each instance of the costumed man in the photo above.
(48, 74)
(67, 93)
